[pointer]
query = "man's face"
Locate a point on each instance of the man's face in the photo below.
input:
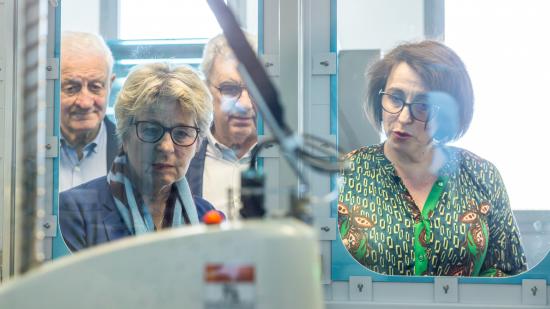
(85, 87)
(234, 110)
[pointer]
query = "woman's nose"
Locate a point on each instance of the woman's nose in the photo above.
(165, 143)
(405, 115)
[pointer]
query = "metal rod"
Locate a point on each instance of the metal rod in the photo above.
(31, 192)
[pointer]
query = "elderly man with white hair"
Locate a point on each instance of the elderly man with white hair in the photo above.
(88, 139)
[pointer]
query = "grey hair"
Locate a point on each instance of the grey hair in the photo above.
(147, 83)
(84, 43)
(218, 46)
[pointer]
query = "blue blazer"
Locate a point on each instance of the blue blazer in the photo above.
(88, 215)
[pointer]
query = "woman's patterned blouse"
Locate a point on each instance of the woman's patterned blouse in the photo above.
(466, 227)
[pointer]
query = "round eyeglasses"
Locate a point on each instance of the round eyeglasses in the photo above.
(231, 90)
(419, 109)
(152, 132)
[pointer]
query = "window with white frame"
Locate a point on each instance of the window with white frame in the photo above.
(161, 19)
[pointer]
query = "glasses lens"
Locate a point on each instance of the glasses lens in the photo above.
(391, 103)
(230, 90)
(184, 136)
(149, 132)
(423, 111)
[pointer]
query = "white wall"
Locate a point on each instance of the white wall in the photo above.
(252, 16)
(506, 54)
(378, 24)
(366, 28)
(80, 15)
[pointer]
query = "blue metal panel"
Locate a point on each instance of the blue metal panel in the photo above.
(59, 248)
(260, 122)
(333, 77)
(333, 96)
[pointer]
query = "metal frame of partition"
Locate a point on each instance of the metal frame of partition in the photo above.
(7, 88)
(301, 47)
(30, 196)
(30, 142)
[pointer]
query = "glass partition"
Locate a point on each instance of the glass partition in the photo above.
(504, 53)
(170, 31)
(505, 61)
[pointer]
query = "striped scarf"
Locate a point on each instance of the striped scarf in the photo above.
(136, 215)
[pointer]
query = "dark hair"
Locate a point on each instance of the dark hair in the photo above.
(441, 71)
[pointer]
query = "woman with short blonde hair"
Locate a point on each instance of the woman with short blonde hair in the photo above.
(161, 112)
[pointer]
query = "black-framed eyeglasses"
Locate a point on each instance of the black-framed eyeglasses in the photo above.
(231, 90)
(420, 109)
(152, 132)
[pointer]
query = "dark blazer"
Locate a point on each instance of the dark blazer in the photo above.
(88, 215)
(113, 147)
(196, 170)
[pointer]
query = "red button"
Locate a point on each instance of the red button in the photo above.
(212, 217)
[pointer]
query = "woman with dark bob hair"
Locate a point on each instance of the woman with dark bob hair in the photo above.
(162, 113)
(414, 205)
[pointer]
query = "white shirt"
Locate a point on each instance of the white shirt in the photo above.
(73, 172)
(222, 171)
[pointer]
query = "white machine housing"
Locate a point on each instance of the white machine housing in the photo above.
(167, 270)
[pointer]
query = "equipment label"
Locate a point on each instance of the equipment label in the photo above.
(229, 286)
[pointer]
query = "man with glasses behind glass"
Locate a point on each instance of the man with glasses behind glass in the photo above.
(214, 173)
